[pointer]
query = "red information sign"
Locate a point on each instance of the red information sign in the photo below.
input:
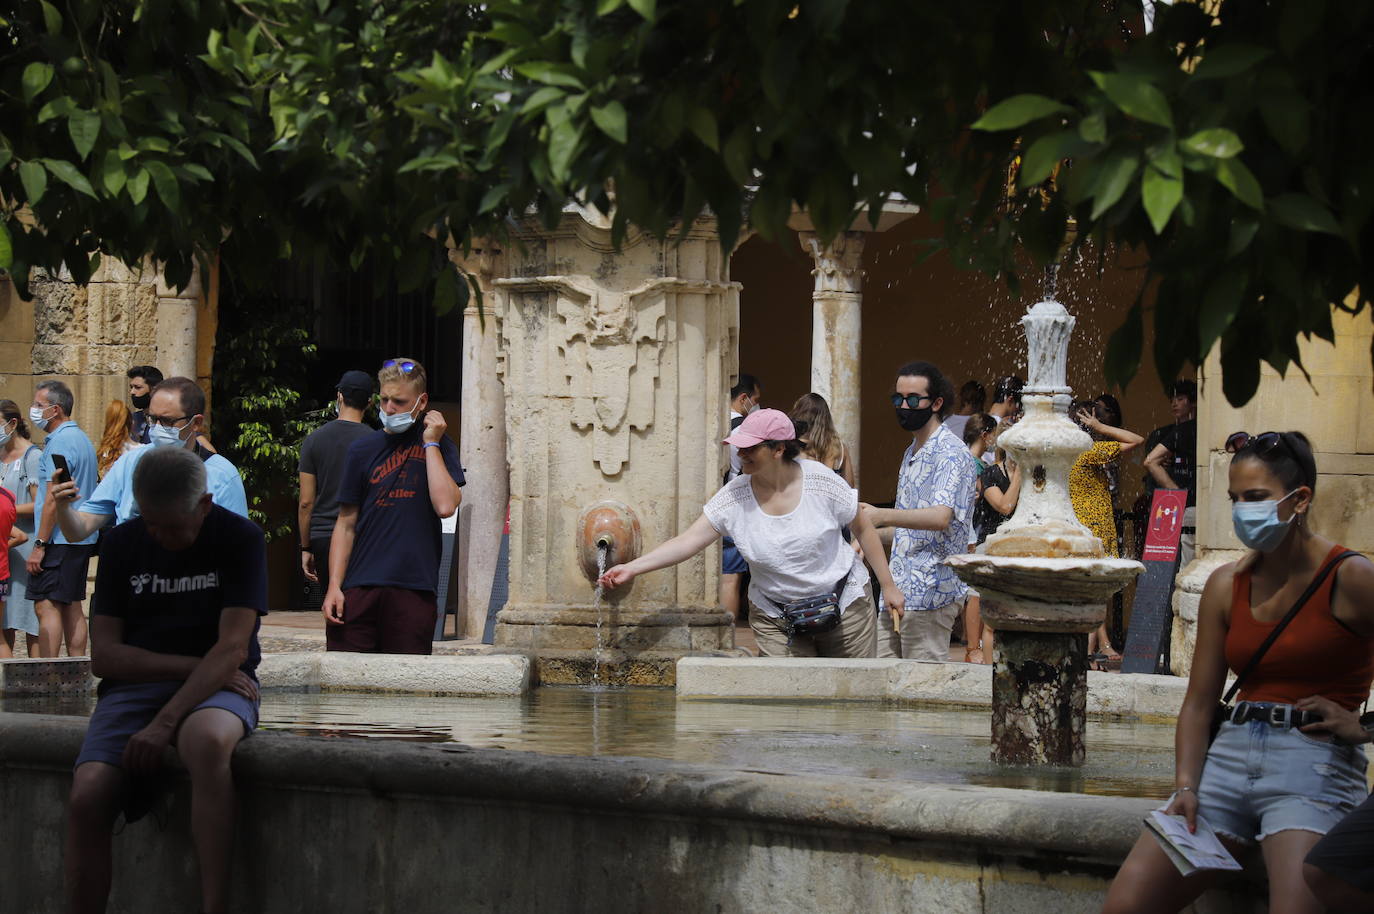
(1165, 525)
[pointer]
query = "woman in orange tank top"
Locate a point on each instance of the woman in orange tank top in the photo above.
(1273, 776)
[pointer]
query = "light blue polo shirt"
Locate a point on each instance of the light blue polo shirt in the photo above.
(115, 494)
(71, 442)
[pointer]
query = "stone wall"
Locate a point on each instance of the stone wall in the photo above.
(89, 336)
(377, 827)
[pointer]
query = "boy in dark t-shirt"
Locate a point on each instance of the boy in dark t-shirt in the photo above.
(178, 595)
(384, 557)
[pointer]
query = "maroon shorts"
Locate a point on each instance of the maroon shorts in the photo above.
(384, 620)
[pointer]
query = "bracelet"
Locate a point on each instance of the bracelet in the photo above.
(431, 444)
(1189, 789)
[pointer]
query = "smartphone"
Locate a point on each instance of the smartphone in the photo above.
(63, 474)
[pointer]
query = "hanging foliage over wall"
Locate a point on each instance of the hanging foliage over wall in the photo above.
(1231, 147)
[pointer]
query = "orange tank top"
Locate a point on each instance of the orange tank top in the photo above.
(1315, 654)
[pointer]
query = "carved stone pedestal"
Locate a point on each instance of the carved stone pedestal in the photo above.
(616, 370)
(1039, 697)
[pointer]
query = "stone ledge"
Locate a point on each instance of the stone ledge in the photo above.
(38, 676)
(683, 837)
(1110, 695)
(490, 674)
(1096, 827)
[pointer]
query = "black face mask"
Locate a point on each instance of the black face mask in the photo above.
(141, 401)
(912, 419)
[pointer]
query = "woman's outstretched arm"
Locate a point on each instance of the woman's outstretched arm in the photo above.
(681, 547)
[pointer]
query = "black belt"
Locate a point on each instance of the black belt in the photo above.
(1275, 715)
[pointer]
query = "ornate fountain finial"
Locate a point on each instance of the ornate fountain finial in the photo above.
(1042, 577)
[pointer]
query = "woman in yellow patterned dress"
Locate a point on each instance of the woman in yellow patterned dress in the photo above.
(1092, 500)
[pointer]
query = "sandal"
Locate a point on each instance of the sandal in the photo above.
(1097, 662)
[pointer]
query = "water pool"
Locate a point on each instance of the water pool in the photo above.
(861, 739)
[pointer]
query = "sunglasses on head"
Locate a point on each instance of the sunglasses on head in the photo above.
(912, 401)
(1262, 444)
(406, 365)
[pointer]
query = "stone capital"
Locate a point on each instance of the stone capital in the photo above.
(839, 264)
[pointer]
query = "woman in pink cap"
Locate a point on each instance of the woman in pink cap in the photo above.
(809, 594)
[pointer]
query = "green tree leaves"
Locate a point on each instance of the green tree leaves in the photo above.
(1136, 96)
(34, 178)
(70, 175)
(1018, 111)
(84, 128)
(37, 77)
(1160, 193)
(370, 132)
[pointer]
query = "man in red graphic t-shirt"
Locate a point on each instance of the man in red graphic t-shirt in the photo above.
(384, 556)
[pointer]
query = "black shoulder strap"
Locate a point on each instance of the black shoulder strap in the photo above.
(1283, 623)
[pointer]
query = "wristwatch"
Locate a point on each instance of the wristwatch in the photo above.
(306, 548)
(41, 544)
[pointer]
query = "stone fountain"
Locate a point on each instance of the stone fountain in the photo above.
(615, 363)
(1043, 576)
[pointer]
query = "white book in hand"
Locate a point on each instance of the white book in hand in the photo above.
(1190, 851)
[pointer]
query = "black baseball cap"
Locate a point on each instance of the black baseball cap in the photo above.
(355, 382)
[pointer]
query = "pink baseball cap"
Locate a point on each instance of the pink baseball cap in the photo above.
(762, 425)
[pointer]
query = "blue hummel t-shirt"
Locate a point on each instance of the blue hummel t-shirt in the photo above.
(397, 541)
(71, 442)
(171, 602)
(115, 494)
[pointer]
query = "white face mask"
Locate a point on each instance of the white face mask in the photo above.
(6, 434)
(161, 436)
(396, 423)
(36, 416)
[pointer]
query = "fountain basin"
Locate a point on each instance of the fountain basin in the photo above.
(1026, 593)
(450, 824)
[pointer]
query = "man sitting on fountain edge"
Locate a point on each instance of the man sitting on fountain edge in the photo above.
(174, 624)
(932, 513)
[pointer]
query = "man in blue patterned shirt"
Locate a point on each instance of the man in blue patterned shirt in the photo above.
(931, 517)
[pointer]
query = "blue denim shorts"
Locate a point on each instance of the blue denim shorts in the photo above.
(125, 709)
(731, 562)
(1259, 780)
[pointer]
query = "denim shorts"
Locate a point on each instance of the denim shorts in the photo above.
(731, 562)
(125, 709)
(1259, 780)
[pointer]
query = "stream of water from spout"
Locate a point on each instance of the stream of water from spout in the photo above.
(602, 551)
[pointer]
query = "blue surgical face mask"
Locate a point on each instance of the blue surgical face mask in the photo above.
(161, 436)
(396, 423)
(36, 416)
(1257, 523)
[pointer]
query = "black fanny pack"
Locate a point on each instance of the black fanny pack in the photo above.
(812, 615)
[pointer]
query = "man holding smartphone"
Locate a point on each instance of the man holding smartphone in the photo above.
(57, 566)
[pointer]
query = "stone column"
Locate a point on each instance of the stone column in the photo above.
(836, 327)
(88, 336)
(616, 374)
(176, 326)
(1039, 698)
(1335, 411)
(482, 517)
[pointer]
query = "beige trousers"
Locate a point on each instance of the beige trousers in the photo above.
(924, 635)
(855, 636)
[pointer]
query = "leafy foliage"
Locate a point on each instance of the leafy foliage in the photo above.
(1231, 149)
(262, 353)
